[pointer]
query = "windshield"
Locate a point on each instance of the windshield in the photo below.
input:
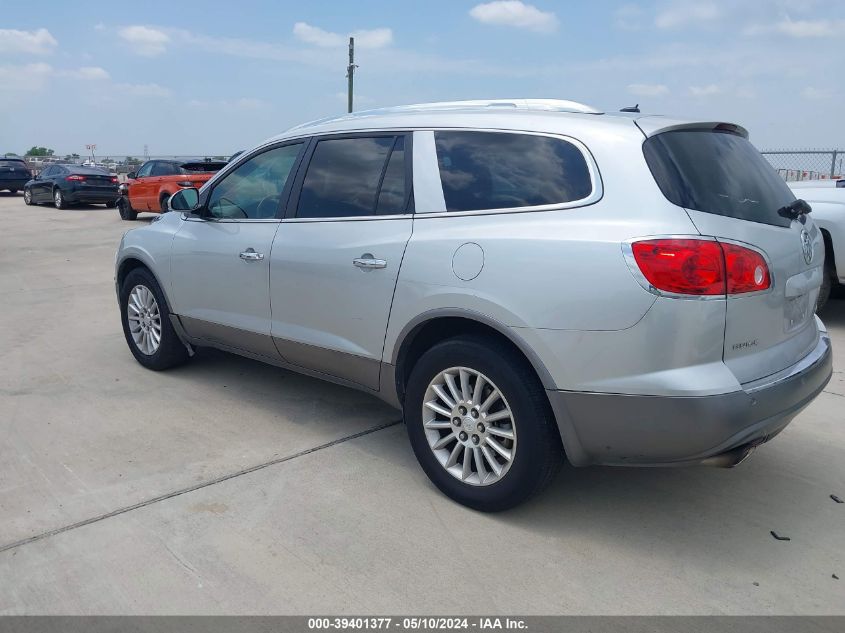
(717, 172)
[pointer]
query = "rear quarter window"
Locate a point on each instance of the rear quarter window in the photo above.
(717, 172)
(501, 170)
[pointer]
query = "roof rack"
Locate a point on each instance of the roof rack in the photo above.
(542, 105)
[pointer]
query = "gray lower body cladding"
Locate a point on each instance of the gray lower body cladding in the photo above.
(641, 430)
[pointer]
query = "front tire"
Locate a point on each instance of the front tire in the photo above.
(490, 449)
(27, 197)
(59, 199)
(146, 322)
(125, 209)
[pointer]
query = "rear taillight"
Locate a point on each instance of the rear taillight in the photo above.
(114, 179)
(695, 267)
(75, 177)
(747, 270)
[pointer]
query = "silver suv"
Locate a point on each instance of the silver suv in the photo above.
(522, 278)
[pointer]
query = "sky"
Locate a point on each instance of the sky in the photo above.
(194, 78)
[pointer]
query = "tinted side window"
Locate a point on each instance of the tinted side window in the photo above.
(164, 169)
(717, 172)
(145, 169)
(344, 176)
(47, 172)
(392, 195)
(253, 190)
(495, 170)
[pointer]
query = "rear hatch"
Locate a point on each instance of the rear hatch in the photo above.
(731, 192)
(14, 170)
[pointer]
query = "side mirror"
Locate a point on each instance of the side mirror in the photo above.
(132, 175)
(185, 200)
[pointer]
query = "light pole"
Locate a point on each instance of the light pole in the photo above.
(350, 73)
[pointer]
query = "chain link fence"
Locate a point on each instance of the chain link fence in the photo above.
(808, 164)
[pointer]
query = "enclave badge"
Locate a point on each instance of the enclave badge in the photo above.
(806, 246)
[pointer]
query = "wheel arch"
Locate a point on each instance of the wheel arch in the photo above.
(132, 261)
(437, 325)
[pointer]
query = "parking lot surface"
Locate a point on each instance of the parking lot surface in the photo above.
(228, 486)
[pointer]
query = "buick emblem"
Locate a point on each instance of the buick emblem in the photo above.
(806, 246)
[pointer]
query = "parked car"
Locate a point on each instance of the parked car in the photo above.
(522, 278)
(151, 186)
(828, 203)
(14, 173)
(64, 185)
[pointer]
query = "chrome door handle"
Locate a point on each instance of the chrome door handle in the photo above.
(368, 262)
(250, 255)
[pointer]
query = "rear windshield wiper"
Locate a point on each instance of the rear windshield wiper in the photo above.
(795, 209)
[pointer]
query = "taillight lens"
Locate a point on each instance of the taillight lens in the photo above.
(747, 270)
(688, 267)
(701, 267)
(75, 177)
(114, 179)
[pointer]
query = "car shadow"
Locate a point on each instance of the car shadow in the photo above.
(833, 313)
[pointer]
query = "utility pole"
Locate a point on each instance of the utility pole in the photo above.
(350, 73)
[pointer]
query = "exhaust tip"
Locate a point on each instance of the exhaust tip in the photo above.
(731, 458)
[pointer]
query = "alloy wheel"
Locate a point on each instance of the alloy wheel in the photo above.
(144, 319)
(469, 426)
(27, 196)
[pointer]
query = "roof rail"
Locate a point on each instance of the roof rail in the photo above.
(544, 105)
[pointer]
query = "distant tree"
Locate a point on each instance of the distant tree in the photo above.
(132, 159)
(39, 151)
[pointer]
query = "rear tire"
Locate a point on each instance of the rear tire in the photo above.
(162, 204)
(13, 191)
(111, 205)
(125, 209)
(59, 199)
(143, 319)
(535, 451)
(828, 279)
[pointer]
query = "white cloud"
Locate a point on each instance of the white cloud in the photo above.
(24, 78)
(800, 28)
(815, 94)
(648, 90)
(88, 73)
(705, 91)
(374, 38)
(144, 40)
(685, 13)
(628, 17)
(515, 13)
(142, 90)
(38, 42)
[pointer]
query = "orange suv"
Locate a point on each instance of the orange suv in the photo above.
(149, 189)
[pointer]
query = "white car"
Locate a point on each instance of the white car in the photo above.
(827, 197)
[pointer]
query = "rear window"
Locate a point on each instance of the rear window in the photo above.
(498, 170)
(717, 172)
(12, 163)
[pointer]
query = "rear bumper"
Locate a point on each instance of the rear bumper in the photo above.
(92, 196)
(12, 184)
(617, 429)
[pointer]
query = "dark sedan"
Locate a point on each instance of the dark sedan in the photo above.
(64, 185)
(14, 173)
